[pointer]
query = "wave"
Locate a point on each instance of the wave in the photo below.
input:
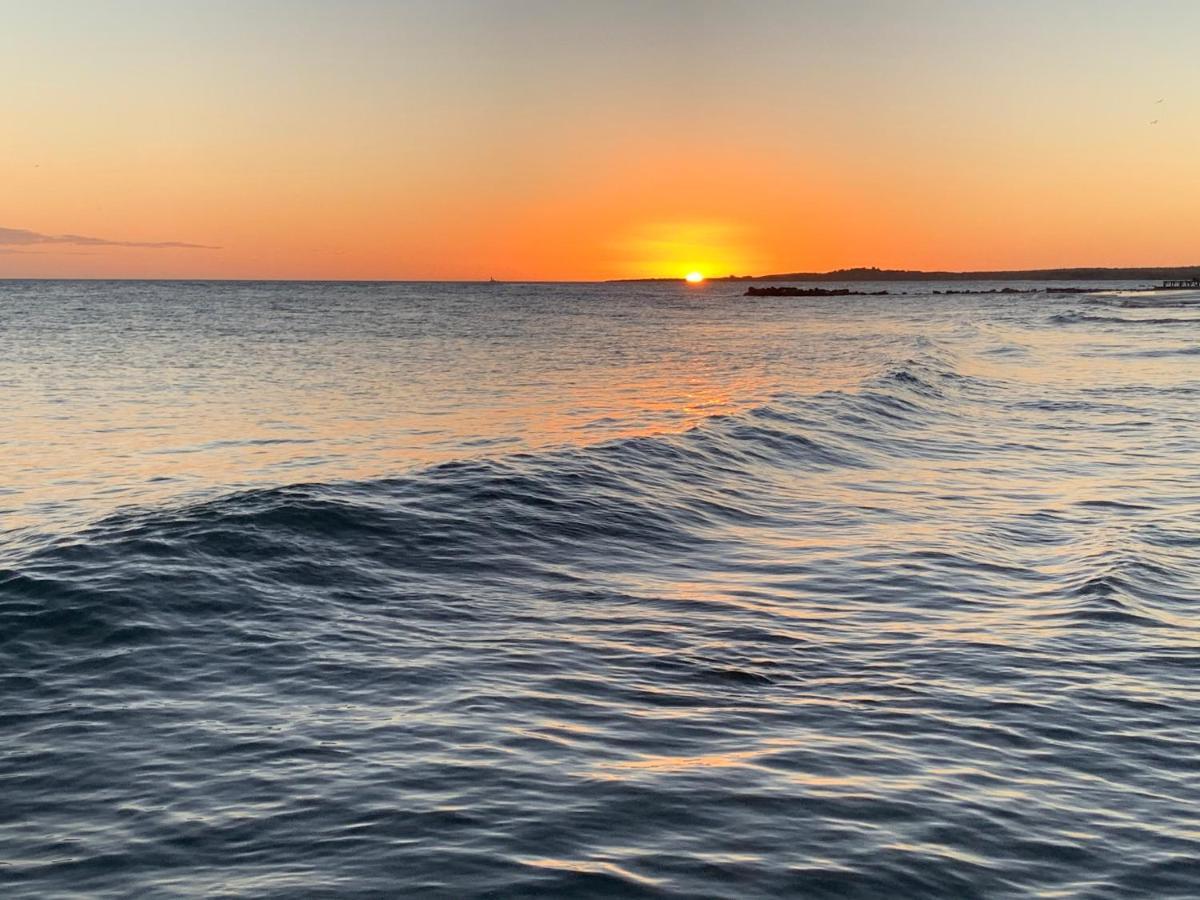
(626, 513)
(619, 512)
(1172, 300)
(1158, 352)
(1075, 317)
(828, 641)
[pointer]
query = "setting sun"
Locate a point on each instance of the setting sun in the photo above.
(320, 309)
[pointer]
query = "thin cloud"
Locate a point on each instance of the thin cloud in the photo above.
(22, 237)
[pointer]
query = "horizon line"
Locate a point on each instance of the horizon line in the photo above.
(830, 273)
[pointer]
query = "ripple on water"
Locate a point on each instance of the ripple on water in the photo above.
(931, 636)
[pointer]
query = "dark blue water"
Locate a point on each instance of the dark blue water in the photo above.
(597, 591)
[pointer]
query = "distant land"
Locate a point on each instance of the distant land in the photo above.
(1155, 273)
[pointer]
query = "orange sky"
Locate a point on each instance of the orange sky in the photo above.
(545, 140)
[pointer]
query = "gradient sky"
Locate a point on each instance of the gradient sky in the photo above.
(579, 140)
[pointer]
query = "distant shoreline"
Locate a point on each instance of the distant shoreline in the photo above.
(1142, 273)
(1156, 273)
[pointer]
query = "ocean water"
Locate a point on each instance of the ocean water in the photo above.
(317, 590)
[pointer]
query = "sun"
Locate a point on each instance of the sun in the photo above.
(694, 277)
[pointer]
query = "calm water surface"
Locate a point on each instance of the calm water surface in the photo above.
(597, 591)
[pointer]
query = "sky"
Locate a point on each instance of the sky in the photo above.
(572, 140)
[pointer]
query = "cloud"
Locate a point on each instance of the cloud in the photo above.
(21, 237)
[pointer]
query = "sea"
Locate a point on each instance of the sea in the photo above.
(598, 590)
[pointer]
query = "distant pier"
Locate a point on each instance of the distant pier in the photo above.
(1180, 284)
